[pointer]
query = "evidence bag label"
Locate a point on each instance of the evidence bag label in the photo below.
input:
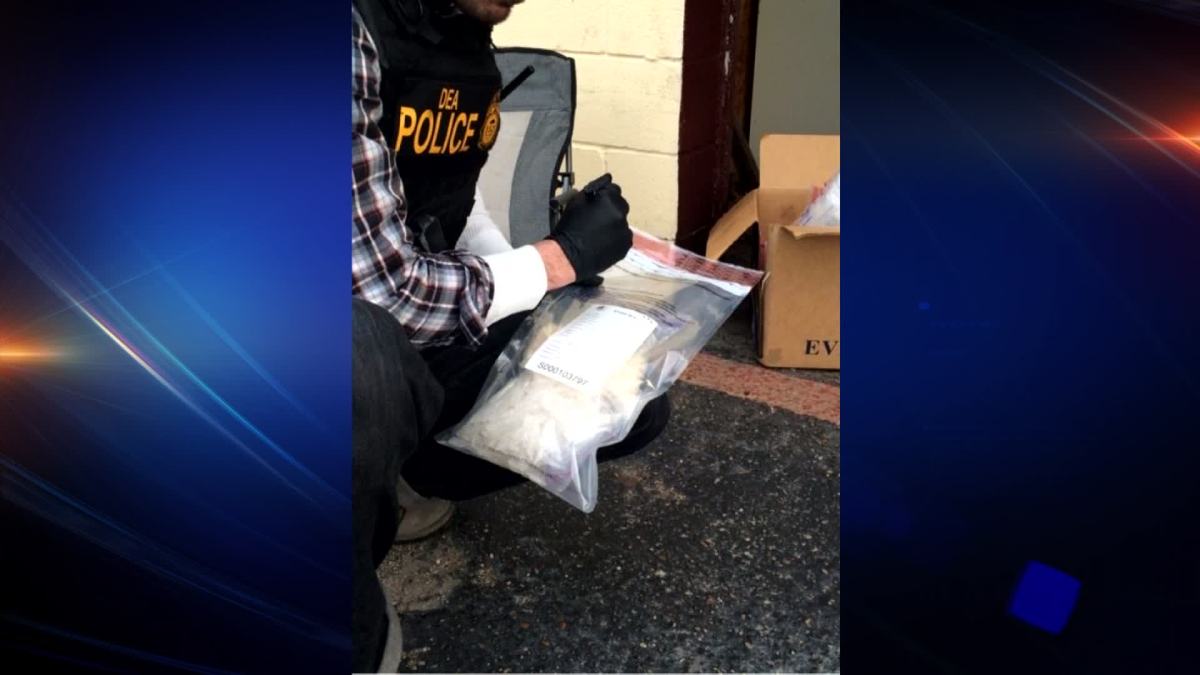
(637, 262)
(587, 351)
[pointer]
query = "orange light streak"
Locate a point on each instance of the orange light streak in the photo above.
(27, 354)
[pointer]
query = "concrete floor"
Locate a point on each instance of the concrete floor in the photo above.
(715, 549)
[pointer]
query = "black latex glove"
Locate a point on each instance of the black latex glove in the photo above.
(593, 231)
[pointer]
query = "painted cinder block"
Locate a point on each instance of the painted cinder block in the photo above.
(588, 163)
(650, 183)
(628, 102)
(651, 28)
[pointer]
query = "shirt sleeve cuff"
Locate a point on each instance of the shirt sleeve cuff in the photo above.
(519, 278)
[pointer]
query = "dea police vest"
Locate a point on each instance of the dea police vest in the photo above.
(441, 108)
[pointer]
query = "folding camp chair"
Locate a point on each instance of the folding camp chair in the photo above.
(522, 176)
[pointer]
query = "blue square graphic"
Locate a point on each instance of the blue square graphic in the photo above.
(1045, 597)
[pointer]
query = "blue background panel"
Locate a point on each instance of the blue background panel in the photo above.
(1019, 292)
(173, 211)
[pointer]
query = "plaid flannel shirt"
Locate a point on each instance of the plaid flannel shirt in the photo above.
(437, 298)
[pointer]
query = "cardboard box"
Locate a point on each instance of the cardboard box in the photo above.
(799, 302)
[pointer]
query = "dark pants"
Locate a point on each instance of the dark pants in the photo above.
(402, 398)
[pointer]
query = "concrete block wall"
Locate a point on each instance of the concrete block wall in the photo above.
(629, 66)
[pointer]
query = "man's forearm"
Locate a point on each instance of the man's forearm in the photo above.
(559, 272)
(523, 275)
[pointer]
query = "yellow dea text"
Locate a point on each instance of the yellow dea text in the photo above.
(444, 131)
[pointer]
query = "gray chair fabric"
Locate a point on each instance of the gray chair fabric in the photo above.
(536, 122)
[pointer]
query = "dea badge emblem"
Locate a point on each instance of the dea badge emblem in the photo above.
(491, 124)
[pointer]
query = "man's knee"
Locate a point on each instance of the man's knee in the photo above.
(377, 335)
(390, 379)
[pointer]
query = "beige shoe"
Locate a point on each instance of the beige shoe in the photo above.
(393, 647)
(420, 516)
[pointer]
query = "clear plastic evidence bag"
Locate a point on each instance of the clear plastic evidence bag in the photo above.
(581, 367)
